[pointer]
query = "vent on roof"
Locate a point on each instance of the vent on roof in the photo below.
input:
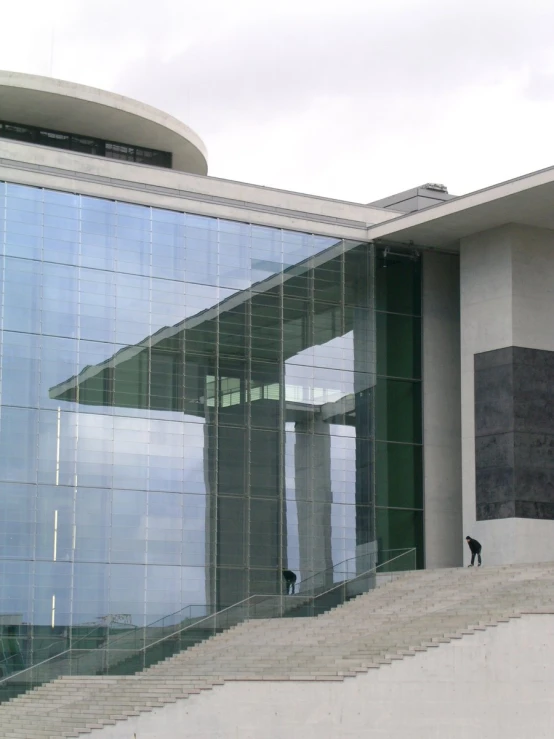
(435, 186)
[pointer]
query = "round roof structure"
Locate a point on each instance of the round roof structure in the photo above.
(65, 106)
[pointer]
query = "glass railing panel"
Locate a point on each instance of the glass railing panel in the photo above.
(351, 568)
(124, 649)
(404, 560)
(66, 663)
(33, 645)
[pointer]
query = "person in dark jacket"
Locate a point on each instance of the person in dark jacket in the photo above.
(290, 581)
(475, 549)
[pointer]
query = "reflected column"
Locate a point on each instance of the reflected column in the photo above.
(210, 456)
(364, 392)
(312, 462)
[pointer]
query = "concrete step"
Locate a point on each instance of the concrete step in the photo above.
(400, 619)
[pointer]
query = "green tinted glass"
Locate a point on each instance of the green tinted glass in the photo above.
(399, 475)
(397, 529)
(398, 345)
(398, 283)
(398, 411)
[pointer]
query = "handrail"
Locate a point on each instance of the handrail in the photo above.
(308, 597)
(346, 582)
(297, 598)
(404, 550)
(300, 583)
(148, 626)
(173, 613)
(53, 644)
(73, 646)
(367, 572)
(331, 569)
(180, 631)
(32, 667)
(334, 568)
(68, 651)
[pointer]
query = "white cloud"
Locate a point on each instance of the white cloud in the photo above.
(353, 100)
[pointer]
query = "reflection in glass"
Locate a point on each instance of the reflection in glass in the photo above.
(188, 409)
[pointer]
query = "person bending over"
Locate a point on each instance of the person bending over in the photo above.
(475, 549)
(290, 581)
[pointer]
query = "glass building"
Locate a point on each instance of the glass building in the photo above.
(204, 383)
(200, 387)
(191, 405)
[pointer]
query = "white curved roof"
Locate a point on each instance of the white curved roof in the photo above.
(71, 108)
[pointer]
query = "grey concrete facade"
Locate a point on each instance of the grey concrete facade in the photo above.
(418, 198)
(56, 104)
(37, 166)
(506, 302)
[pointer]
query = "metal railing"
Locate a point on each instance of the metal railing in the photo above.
(143, 647)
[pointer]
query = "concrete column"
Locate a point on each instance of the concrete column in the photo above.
(441, 410)
(507, 304)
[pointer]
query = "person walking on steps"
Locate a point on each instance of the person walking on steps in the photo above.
(290, 581)
(475, 549)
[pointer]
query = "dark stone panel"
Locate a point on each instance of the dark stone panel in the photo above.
(514, 433)
(492, 511)
(494, 400)
(534, 483)
(528, 509)
(495, 358)
(494, 450)
(531, 450)
(496, 484)
(533, 357)
(533, 394)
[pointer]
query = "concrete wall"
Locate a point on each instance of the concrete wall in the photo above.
(41, 166)
(441, 410)
(506, 297)
(72, 108)
(496, 684)
(409, 201)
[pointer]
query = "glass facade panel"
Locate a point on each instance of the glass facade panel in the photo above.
(398, 282)
(399, 529)
(399, 475)
(398, 410)
(398, 421)
(399, 342)
(188, 408)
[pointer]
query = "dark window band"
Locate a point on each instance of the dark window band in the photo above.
(84, 144)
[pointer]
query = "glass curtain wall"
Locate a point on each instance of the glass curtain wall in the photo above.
(399, 450)
(188, 409)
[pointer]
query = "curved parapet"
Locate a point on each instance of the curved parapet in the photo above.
(60, 106)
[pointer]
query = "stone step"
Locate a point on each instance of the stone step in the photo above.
(400, 619)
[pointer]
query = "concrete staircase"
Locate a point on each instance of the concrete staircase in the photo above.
(411, 614)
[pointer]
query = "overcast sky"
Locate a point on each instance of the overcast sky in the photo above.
(352, 99)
